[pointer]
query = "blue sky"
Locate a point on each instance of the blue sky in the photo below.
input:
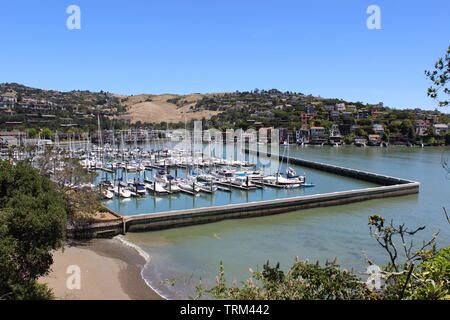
(185, 46)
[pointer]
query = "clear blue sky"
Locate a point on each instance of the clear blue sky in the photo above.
(184, 46)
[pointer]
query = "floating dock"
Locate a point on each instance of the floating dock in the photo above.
(389, 187)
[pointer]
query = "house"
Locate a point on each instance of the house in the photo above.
(335, 135)
(346, 114)
(362, 114)
(286, 135)
(360, 141)
(302, 135)
(378, 128)
(334, 115)
(317, 131)
(13, 123)
(311, 110)
(340, 107)
(11, 138)
(8, 112)
(374, 139)
(421, 127)
(8, 97)
(440, 128)
(317, 135)
(328, 107)
(334, 130)
(305, 118)
(351, 107)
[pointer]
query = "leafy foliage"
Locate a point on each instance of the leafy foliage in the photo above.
(32, 223)
(440, 77)
(424, 274)
(304, 281)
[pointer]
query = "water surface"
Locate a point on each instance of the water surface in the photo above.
(191, 253)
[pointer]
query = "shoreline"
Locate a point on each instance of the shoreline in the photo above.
(110, 270)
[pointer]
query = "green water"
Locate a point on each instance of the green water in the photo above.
(192, 253)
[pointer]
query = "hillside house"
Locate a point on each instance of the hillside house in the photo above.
(440, 128)
(421, 127)
(378, 128)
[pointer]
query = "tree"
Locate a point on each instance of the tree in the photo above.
(412, 273)
(440, 77)
(32, 223)
(33, 133)
(46, 133)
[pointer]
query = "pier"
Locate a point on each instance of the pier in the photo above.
(389, 187)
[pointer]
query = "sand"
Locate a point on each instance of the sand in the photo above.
(109, 271)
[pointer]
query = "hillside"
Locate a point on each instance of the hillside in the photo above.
(165, 108)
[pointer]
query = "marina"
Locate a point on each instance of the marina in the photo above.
(315, 234)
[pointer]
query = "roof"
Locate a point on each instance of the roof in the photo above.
(12, 133)
(318, 128)
(8, 94)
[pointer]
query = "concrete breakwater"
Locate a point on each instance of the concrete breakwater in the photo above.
(347, 172)
(389, 187)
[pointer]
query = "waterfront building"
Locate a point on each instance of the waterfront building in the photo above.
(374, 139)
(421, 127)
(440, 128)
(317, 131)
(302, 135)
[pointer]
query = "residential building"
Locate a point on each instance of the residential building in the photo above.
(374, 139)
(360, 141)
(378, 128)
(334, 115)
(361, 114)
(311, 110)
(302, 136)
(8, 97)
(440, 128)
(421, 127)
(334, 130)
(317, 131)
(340, 107)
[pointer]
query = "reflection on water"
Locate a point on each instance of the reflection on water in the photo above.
(325, 182)
(191, 253)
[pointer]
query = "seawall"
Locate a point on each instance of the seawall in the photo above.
(389, 187)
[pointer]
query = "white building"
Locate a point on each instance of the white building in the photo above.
(440, 128)
(378, 128)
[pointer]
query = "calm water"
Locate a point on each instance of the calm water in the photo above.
(152, 204)
(192, 253)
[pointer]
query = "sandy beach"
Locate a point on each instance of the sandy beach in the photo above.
(108, 271)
